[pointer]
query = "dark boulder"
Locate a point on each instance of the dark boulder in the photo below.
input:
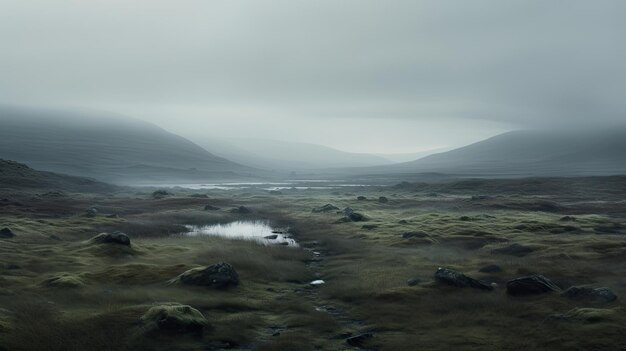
(325, 208)
(403, 221)
(383, 200)
(6, 233)
(159, 194)
(369, 226)
(91, 212)
(531, 285)
(514, 250)
(221, 275)
(590, 294)
(350, 215)
(361, 198)
(241, 210)
(118, 238)
(458, 279)
(492, 268)
(211, 208)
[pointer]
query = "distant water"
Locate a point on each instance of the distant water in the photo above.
(259, 231)
(288, 184)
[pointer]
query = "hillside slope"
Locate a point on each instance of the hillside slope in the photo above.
(105, 146)
(287, 156)
(529, 153)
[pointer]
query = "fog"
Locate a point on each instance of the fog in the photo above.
(361, 76)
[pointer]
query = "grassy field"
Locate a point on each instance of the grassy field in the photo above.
(60, 291)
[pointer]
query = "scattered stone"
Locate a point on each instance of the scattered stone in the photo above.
(350, 215)
(531, 285)
(514, 250)
(91, 212)
(111, 238)
(359, 340)
(325, 208)
(454, 278)
(159, 194)
(586, 315)
(271, 237)
(221, 275)
(383, 200)
(361, 198)
(568, 219)
(369, 226)
(6, 233)
(211, 208)
(415, 234)
(55, 237)
(590, 294)
(492, 268)
(64, 281)
(174, 318)
(241, 210)
(413, 281)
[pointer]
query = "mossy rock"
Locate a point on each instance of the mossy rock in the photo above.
(587, 315)
(110, 238)
(174, 318)
(64, 281)
(221, 275)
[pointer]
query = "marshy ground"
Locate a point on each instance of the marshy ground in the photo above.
(59, 290)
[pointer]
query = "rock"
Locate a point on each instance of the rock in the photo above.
(350, 215)
(6, 233)
(211, 208)
(454, 278)
(586, 315)
(358, 340)
(361, 198)
(159, 194)
(241, 210)
(111, 238)
(174, 318)
(403, 221)
(415, 234)
(590, 294)
(271, 237)
(466, 218)
(568, 219)
(55, 237)
(64, 281)
(514, 250)
(91, 212)
(221, 275)
(369, 226)
(412, 281)
(383, 200)
(530, 285)
(325, 208)
(492, 268)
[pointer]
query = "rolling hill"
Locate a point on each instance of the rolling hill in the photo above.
(529, 153)
(106, 147)
(287, 156)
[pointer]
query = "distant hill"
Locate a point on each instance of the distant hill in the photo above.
(529, 153)
(106, 147)
(18, 176)
(287, 156)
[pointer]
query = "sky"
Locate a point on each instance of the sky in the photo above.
(358, 75)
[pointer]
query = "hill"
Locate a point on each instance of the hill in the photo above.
(18, 176)
(106, 147)
(288, 156)
(529, 153)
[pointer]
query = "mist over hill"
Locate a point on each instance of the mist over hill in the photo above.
(106, 147)
(287, 156)
(600, 151)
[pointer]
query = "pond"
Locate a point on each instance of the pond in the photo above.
(259, 231)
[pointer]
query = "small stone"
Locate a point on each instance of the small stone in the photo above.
(413, 281)
(6, 233)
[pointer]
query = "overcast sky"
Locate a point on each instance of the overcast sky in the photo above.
(363, 76)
